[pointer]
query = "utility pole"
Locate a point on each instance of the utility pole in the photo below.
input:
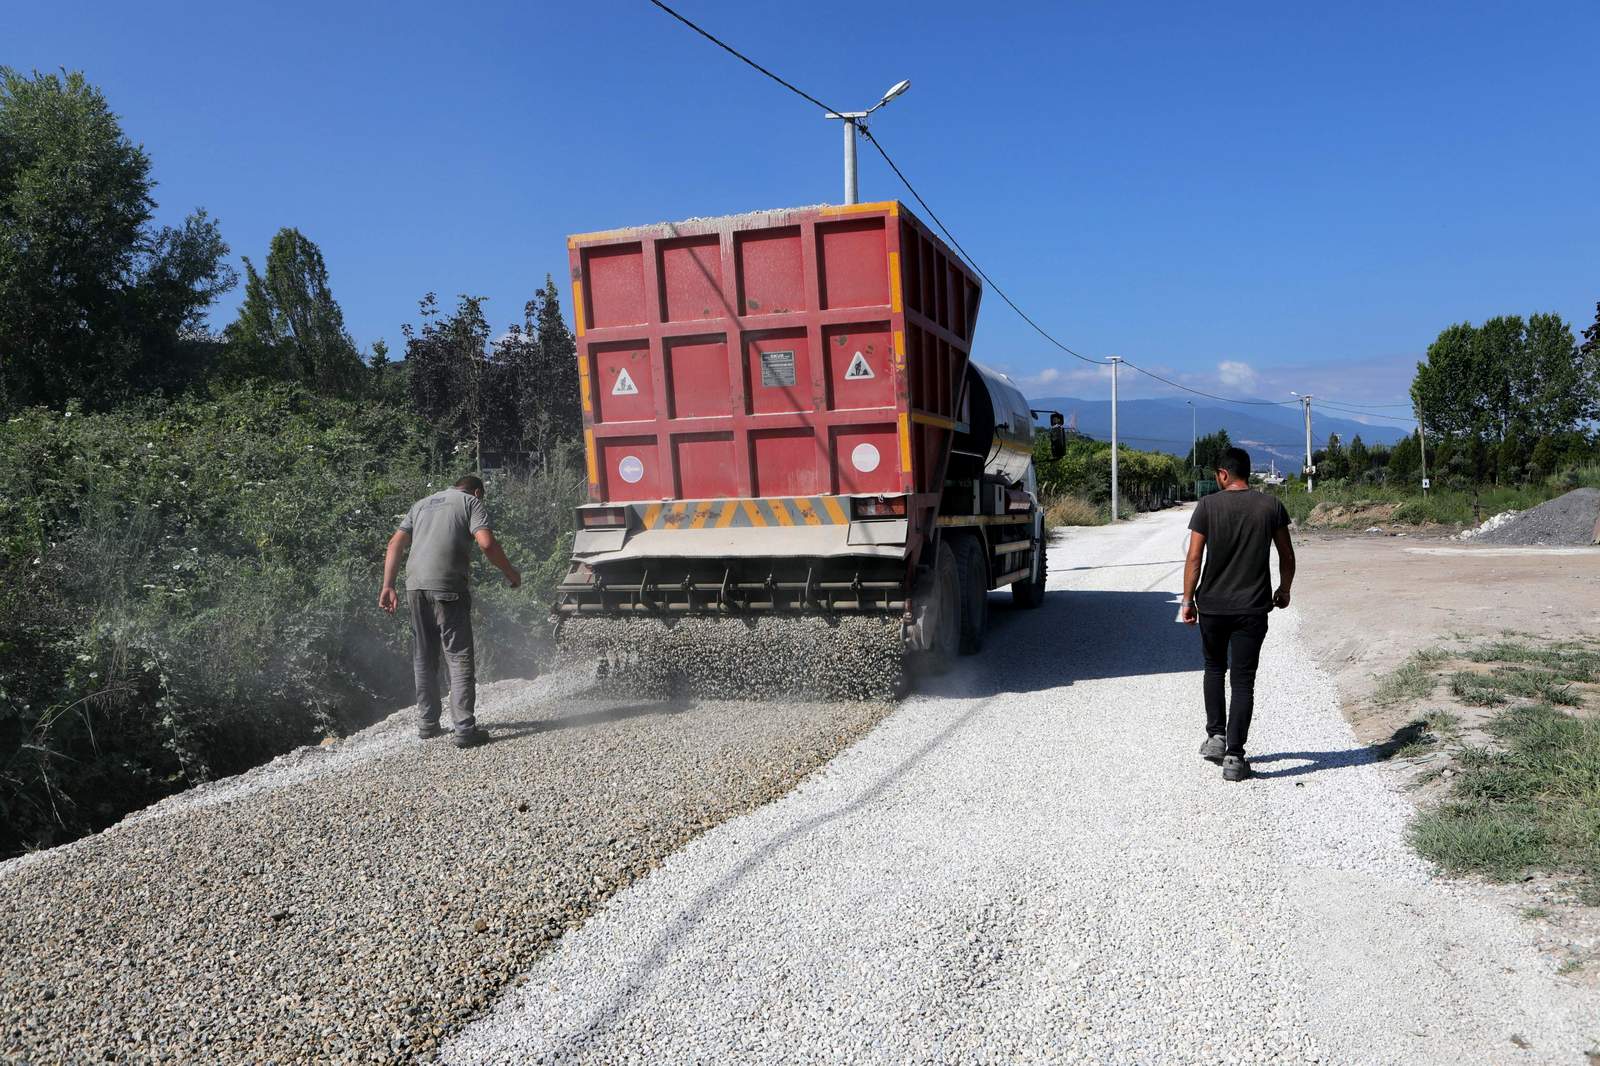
(852, 120)
(1422, 442)
(1194, 441)
(1306, 401)
(1114, 361)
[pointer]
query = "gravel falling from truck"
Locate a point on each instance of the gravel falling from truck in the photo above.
(857, 657)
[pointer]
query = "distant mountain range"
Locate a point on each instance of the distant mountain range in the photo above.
(1268, 433)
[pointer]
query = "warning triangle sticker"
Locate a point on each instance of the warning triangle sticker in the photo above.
(624, 385)
(858, 369)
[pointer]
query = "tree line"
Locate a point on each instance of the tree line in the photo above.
(1511, 401)
(100, 306)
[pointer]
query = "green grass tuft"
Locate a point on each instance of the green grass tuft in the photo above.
(1532, 803)
(1473, 838)
(1476, 690)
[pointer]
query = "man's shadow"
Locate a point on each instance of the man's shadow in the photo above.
(1310, 762)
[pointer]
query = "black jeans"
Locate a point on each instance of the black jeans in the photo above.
(1232, 644)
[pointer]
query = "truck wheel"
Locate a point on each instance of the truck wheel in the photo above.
(974, 594)
(935, 615)
(1029, 592)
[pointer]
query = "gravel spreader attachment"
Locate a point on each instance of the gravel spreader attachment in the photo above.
(856, 657)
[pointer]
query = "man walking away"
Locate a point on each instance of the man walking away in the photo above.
(1233, 529)
(439, 530)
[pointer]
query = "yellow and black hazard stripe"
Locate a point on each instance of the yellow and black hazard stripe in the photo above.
(745, 514)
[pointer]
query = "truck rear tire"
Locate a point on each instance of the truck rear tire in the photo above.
(974, 594)
(1029, 592)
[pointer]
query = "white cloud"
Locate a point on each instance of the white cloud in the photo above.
(1236, 375)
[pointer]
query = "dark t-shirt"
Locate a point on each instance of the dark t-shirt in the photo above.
(1238, 526)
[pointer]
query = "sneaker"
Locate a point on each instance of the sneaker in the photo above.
(471, 738)
(1213, 749)
(1235, 768)
(429, 730)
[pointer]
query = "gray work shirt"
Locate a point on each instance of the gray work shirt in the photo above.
(441, 528)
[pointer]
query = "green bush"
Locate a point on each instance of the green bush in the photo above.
(190, 588)
(1146, 480)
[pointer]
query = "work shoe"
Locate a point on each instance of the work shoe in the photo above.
(1235, 768)
(1214, 748)
(471, 738)
(429, 730)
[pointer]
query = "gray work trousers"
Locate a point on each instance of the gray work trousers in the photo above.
(441, 624)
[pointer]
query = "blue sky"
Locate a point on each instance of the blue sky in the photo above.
(1251, 197)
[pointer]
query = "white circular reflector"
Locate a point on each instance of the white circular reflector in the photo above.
(630, 469)
(865, 458)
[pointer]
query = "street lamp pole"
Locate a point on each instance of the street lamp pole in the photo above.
(852, 191)
(853, 120)
(1422, 442)
(1115, 361)
(1305, 401)
(1194, 440)
(1309, 471)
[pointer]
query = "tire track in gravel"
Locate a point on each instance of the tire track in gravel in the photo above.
(1030, 863)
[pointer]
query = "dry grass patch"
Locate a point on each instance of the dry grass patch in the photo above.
(1073, 511)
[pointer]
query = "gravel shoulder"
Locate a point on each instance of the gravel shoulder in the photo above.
(359, 902)
(1031, 864)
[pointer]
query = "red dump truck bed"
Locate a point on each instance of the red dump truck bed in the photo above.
(785, 354)
(780, 415)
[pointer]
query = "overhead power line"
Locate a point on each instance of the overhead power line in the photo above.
(1123, 438)
(944, 229)
(1329, 405)
(1208, 395)
(926, 207)
(951, 237)
(741, 57)
(1358, 405)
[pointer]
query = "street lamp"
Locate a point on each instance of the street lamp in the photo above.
(1305, 402)
(853, 119)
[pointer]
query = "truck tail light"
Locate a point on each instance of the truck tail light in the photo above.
(880, 507)
(602, 517)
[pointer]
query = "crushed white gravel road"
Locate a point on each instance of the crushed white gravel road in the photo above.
(1032, 864)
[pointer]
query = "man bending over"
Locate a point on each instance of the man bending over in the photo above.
(440, 531)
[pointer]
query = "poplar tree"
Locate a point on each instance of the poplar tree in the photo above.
(290, 327)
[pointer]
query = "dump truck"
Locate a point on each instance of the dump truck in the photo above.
(784, 427)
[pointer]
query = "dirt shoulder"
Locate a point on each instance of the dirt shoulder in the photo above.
(1369, 601)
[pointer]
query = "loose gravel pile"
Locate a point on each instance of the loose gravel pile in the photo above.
(360, 902)
(1035, 866)
(762, 656)
(1572, 519)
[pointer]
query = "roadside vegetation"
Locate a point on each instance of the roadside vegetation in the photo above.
(1076, 488)
(1346, 505)
(192, 522)
(1523, 751)
(1509, 409)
